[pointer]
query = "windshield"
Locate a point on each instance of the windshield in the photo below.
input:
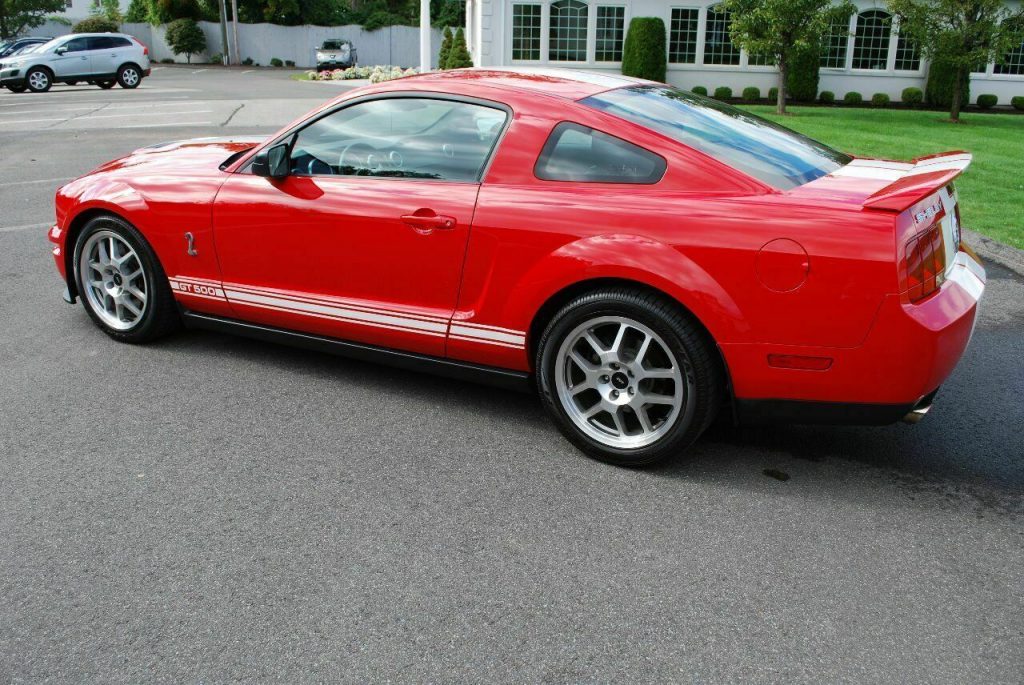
(51, 44)
(31, 47)
(332, 45)
(770, 153)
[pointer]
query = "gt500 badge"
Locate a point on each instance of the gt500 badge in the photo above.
(928, 212)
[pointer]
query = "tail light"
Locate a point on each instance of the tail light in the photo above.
(926, 263)
(145, 48)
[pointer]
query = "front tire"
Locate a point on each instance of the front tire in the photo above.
(129, 76)
(122, 285)
(38, 80)
(628, 376)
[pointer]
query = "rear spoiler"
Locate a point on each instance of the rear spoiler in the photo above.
(914, 182)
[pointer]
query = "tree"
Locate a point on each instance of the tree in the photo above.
(138, 12)
(781, 29)
(107, 9)
(96, 25)
(960, 34)
(446, 48)
(643, 53)
(459, 57)
(18, 15)
(185, 36)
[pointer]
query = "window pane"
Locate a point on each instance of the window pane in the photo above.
(581, 154)
(610, 26)
(871, 44)
(761, 60)
(401, 138)
(768, 152)
(718, 47)
(568, 34)
(833, 55)
(526, 32)
(682, 36)
(907, 58)
(1012, 62)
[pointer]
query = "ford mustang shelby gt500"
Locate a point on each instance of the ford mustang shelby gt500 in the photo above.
(644, 255)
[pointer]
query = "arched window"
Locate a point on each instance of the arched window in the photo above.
(871, 42)
(833, 54)
(718, 47)
(568, 32)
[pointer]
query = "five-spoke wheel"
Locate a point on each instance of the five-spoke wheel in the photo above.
(629, 376)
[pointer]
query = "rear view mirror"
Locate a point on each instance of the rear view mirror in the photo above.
(272, 162)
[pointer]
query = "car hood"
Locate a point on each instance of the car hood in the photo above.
(182, 156)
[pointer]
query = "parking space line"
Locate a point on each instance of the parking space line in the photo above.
(45, 111)
(199, 71)
(40, 180)
(87, 117)
(23, 227)
(31, 121)
(180, 123)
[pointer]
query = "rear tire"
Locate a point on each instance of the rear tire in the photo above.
(122, 284)
(38, 80)
(129, 76)
(629, 376)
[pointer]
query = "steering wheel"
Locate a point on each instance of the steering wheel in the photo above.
(368, 161)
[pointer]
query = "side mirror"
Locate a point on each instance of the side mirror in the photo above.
(272, 162)
(61, 50)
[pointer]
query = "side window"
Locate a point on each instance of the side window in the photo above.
(100, 43)
(578, 153)
(77, 44)
(400, 138)
(117, 42)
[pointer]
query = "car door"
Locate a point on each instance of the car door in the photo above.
(73, 58)
(365, 238)
(105, 57)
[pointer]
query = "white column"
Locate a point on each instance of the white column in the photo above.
(424, 35)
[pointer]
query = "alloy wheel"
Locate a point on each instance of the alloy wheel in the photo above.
(619, 382)
(38, 80)
(114, 280)
(130, 77)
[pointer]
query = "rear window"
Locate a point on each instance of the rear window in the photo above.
(770, 153)
(579, 153)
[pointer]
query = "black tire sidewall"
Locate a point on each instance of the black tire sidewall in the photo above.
(688, 425)
(151, 324)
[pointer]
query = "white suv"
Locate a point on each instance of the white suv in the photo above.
(102, 59)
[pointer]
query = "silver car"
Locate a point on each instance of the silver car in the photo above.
(102, 59)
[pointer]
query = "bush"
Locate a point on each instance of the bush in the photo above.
(912, 96)
(699, 90)
(247, 61)
(802, 79)
(96, 25)
(1018, 103)
(138, 12)
(217, 59)
(459, 57)
(988, 101)
(185, 36)
(167, 60)
(723, 93)
(773, 94)
(289, 63)
(644, 53)
(446, 48)
(938, 91)
(751, 93)
(879, 99)
(276, 62)
(853, 98)
(827, 97)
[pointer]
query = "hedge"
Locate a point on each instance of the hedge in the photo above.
(96, 25)
(912, 96)
(773, 94)
(751, 93)
(644, 54)
(699, 90)
(988, 101)
(827, 97)
(1018, 102)
(723, 93)
(938, 91)
(880, 99)
(802, 76)
(853, 98)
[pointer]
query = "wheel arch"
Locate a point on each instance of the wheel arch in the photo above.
(75, 227)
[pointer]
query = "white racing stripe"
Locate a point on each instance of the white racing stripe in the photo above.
(347, 311)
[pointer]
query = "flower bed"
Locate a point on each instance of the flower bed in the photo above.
(375, 74)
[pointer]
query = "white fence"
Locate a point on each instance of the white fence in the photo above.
(397, 45)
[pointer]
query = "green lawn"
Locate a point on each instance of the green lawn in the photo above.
(992, 188)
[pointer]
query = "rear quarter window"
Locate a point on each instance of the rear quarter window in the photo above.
(585, 155)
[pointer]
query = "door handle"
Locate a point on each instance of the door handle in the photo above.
(426, 221)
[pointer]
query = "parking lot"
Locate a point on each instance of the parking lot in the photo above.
(211, 508)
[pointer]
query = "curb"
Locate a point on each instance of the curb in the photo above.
(1000, 253)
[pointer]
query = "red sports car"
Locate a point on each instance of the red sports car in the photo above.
(645, 256)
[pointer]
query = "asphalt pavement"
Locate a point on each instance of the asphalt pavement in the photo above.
(210, 508)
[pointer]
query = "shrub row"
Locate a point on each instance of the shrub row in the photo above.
(910, 96)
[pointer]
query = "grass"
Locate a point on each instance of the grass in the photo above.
(992, 188)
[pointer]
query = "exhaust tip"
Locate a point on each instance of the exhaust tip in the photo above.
(920, 409)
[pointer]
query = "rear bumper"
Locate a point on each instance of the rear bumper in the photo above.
(908, 353)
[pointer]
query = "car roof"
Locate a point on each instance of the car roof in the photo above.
(567, 83)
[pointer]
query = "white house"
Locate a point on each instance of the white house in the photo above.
(865, 54)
